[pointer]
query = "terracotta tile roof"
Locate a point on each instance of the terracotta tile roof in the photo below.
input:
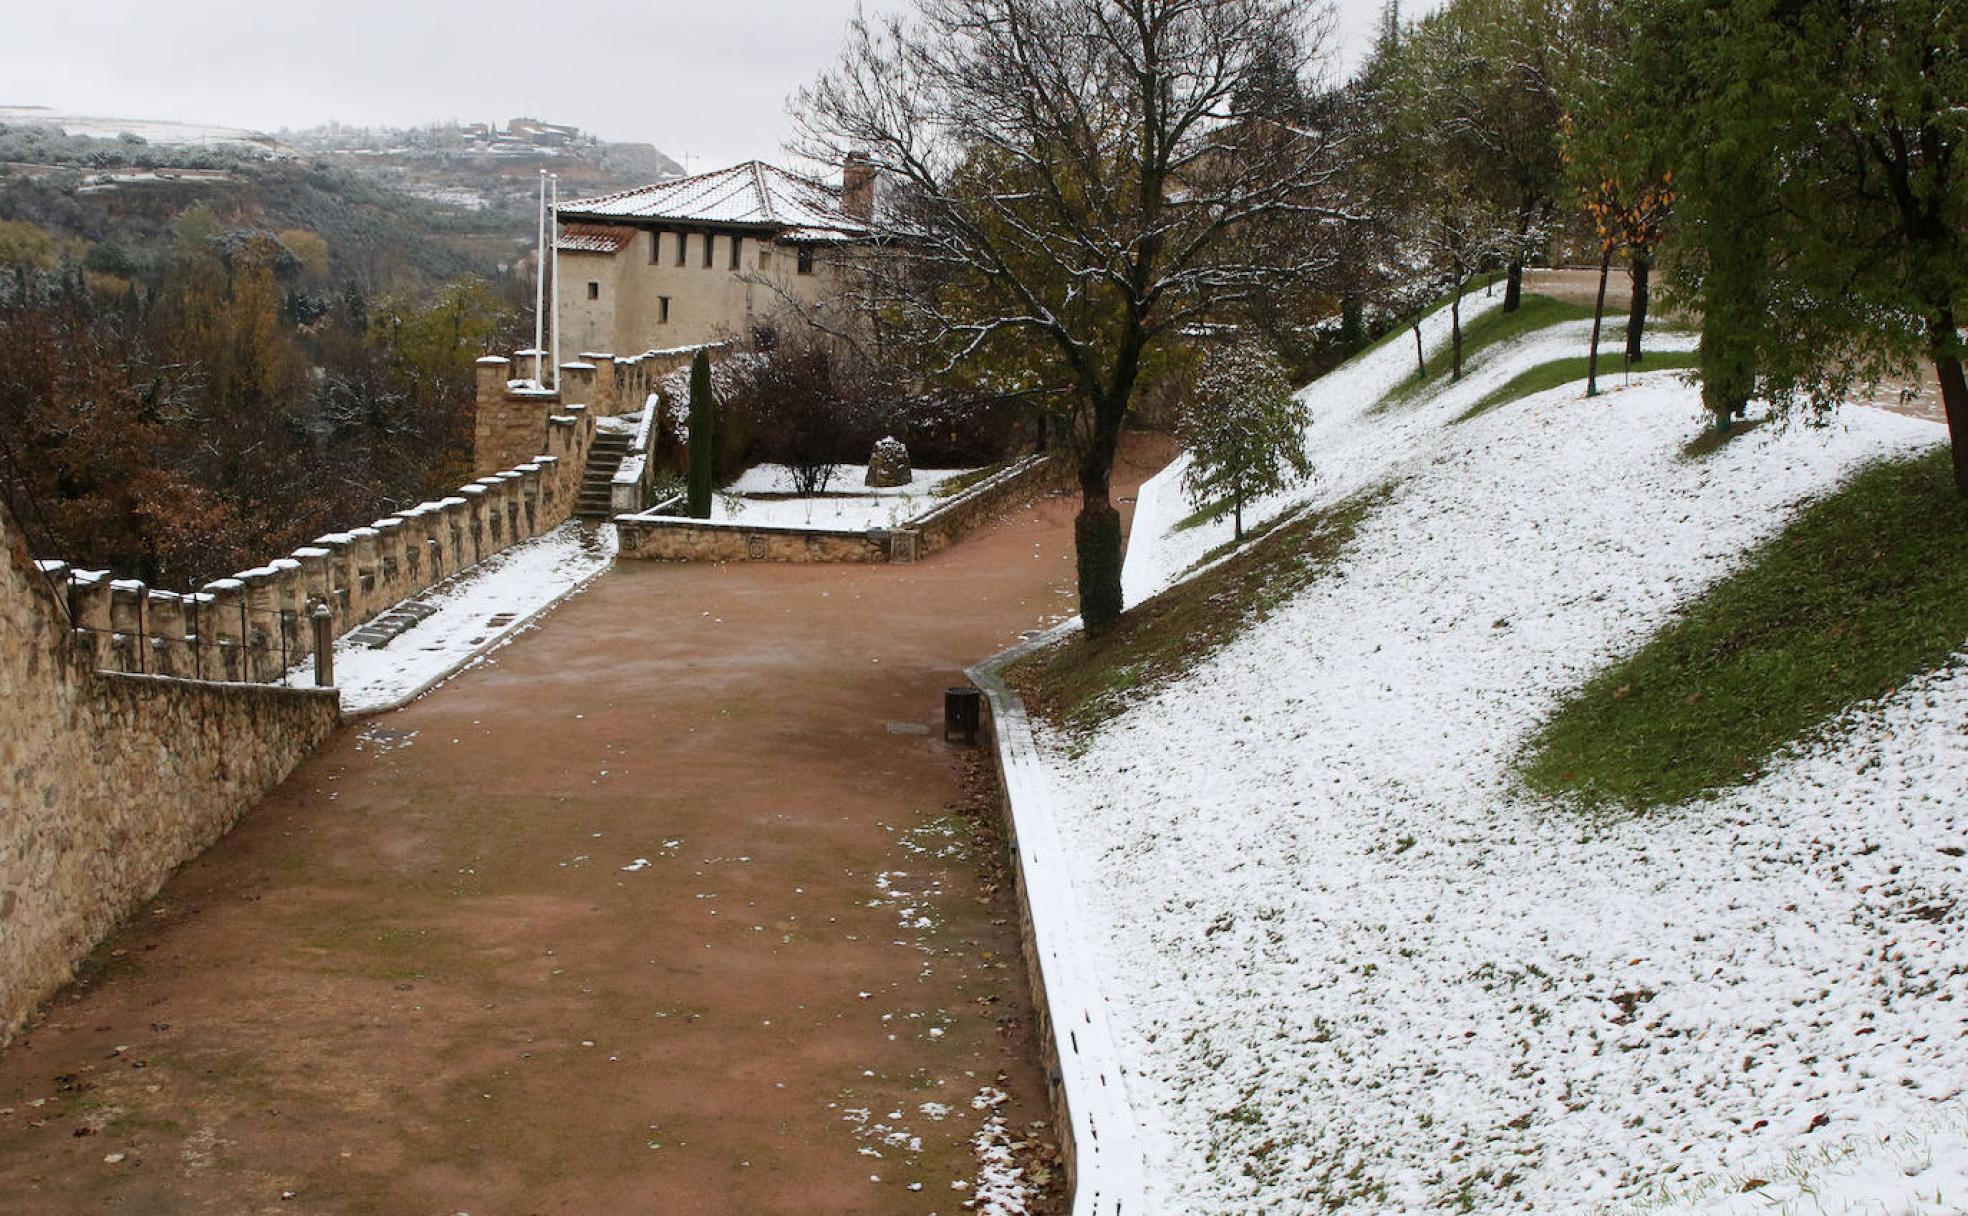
(753, 194)
(594, 238)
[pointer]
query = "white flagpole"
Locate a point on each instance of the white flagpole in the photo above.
(540, 287)
(553, 227)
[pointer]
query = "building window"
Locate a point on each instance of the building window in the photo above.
(655, 246)
(662, 310)
(806, 259)
(710, 244)
(765, 255)
(737, 249)
(594, 290)
(683, 244)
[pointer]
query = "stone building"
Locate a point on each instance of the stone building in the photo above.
(705, 258)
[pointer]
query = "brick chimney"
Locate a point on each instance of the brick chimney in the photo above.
(858, 187)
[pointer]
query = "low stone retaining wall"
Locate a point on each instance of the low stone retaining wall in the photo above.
(671, 538)
(662, 537)
(108, 783)
(951, 520)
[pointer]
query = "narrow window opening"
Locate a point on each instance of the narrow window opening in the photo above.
(594, 290)
(662, 310)
(710, 245)
(737, 249)
(806, 259)
(683, 245)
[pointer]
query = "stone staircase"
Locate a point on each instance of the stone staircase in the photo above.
(605, 456)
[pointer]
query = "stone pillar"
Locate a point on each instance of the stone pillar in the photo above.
(341, 573)
(551, 512)
(290, 601)
(474, 517)
(392, 578)
(131, 643)
(222, 630)
(493, 372)
(608, 397)
(577, 382)
(510, 502)
(88, 613)
(456, 534)
(164, 620)
(261, 596)
(529, 498)
(362, 556)
(492, 509)
(317, 580)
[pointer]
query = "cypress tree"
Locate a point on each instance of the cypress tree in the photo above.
(703, 437)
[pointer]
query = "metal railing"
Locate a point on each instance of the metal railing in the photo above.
(228, 643)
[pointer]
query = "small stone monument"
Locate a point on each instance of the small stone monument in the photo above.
(889, 465)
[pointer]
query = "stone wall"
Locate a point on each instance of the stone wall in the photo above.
(108, 782)
(670, 538)
(256, 624)
(950, 521)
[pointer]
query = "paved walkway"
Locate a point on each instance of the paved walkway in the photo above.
(677, 904)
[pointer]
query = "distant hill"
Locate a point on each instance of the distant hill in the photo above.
(400, 209)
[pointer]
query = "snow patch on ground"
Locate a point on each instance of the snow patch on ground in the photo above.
(1352, 968)
(512, 585)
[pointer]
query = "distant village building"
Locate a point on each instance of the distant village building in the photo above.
(705, 258)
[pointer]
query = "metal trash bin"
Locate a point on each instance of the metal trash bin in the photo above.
(962, 710)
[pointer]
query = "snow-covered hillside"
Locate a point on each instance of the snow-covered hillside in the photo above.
(1354, 970)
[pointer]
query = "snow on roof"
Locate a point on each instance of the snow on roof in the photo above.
(753, 194)
(595, 238)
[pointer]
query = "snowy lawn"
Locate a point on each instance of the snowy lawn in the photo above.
(511, 587)
(762, 496)
(1356, 969)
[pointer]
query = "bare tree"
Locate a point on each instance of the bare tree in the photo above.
(1078, 180)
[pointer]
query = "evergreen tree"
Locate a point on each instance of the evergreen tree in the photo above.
(703, 437)
(1244, 429)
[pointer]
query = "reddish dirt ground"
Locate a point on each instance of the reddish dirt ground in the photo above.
(680, 905)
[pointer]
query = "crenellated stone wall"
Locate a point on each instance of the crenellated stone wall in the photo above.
(257, 623)
(109, 782)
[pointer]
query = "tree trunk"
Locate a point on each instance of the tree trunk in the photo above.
(1237, 510)
(1598, 316)
(1642, 271)
(1097, 528)
(1421, 361)
(1513, 285)
(1944, 341)
(1455, 333)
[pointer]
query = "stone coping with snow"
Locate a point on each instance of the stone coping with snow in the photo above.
(1350, 967)
(1099, 1126)
(514, 586)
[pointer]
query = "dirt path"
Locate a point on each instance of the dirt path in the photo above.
(679, 906)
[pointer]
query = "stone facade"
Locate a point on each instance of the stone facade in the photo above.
(108, 782)
(616, 301)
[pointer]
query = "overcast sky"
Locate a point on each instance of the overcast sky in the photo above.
(706, 80)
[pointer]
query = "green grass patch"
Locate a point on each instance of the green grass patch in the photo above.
(1491, 329)
(1565, 371)
(1204, 514)
(1863, 591)
(1712, 440)
(1474, 287)
(963, 481)
(1083, 680)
